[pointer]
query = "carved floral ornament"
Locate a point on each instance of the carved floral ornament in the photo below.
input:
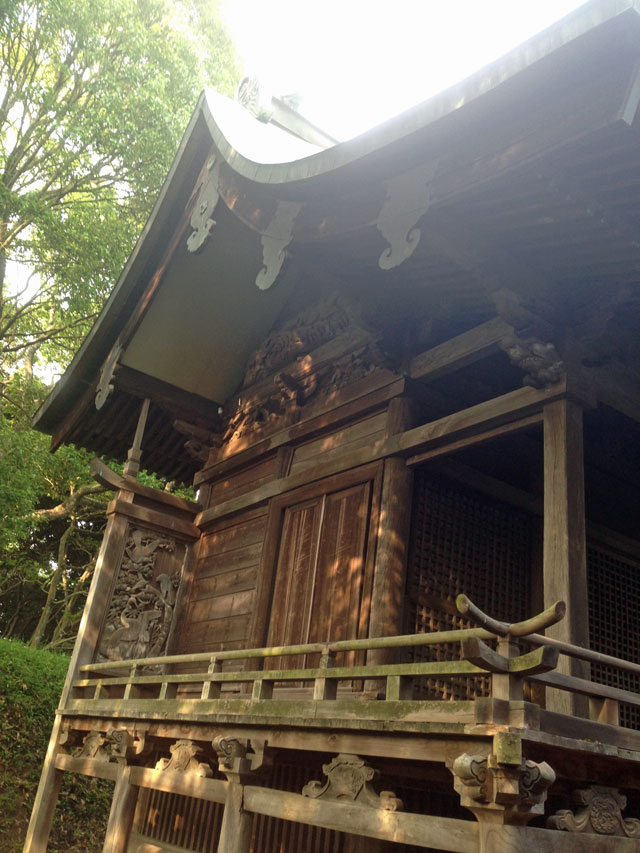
(350, 779)
(141, 608)
(183, 760)
(116, 745)
(601, 813)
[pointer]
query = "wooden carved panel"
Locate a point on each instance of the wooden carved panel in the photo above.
(141, 609)
(317, 352)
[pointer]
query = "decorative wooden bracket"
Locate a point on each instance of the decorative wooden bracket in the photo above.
(601, 813)
(407, 200)
(275, 240)
(239, 759)
(117, 745)
(479, 653)
(105, 385)
(350, 779)
(516, 793)
(183, 760)
(201, 219)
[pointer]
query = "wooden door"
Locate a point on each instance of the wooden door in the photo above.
(321, 589)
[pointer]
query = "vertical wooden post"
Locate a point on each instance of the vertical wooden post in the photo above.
(389, 577)
(564, 545)
(107, 563)
(46, 797)
(134, 456)
(123, 807)
(235, 832)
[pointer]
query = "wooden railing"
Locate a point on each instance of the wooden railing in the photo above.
(132, 681)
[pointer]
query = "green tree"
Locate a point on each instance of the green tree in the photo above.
(94, 96)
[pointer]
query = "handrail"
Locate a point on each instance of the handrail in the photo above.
(403, 641)
(542, 620)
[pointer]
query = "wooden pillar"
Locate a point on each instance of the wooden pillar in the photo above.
(107, 563)
(46, 799)
(123, 806)
(389, 578)
(564, 545)
(235, 832)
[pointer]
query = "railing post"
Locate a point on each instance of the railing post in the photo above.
(506, 686)
(399, 687)
(262, 689)
(129, 690)
(211, 689)
(325, 688)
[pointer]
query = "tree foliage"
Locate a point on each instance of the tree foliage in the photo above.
(30, 686)
(94, 96)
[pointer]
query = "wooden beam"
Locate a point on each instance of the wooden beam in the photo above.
(150, 516)
(564, 540)
(468, 441)
(73, 417)
(184, 403)
(172, 782)
(469, 422)
(345, 405)
(96, 768)
(400, 827)
(115, 482)
(458, 352)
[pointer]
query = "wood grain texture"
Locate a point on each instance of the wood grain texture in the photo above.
(564, 542)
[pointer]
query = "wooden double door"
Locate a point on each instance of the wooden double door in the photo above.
(323, 579)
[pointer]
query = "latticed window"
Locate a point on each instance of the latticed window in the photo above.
(614, 604)
(463, 541)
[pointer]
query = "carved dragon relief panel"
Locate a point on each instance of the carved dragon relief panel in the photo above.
(286, 371)
(143, 600)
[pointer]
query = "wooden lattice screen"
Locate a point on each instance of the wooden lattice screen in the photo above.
(194, 825)
(614, 604)
(462, 541)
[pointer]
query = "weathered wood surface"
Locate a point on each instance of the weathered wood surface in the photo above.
(474, 420)
(221, 603)
(529, 839)
(108, 478)
(189, 785)
(97, 768)
(460, 351)
(123, 806)
(153, 518)
(389, 575)
(109, 559)
(331, 713)
(235, 832)
(564, 543)
(400, 827)
(357, 399)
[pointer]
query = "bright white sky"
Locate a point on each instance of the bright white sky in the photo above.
(358, 62)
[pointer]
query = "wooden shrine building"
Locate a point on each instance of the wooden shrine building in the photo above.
(403, 374)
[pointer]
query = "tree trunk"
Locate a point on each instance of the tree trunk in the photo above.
(36, 639)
